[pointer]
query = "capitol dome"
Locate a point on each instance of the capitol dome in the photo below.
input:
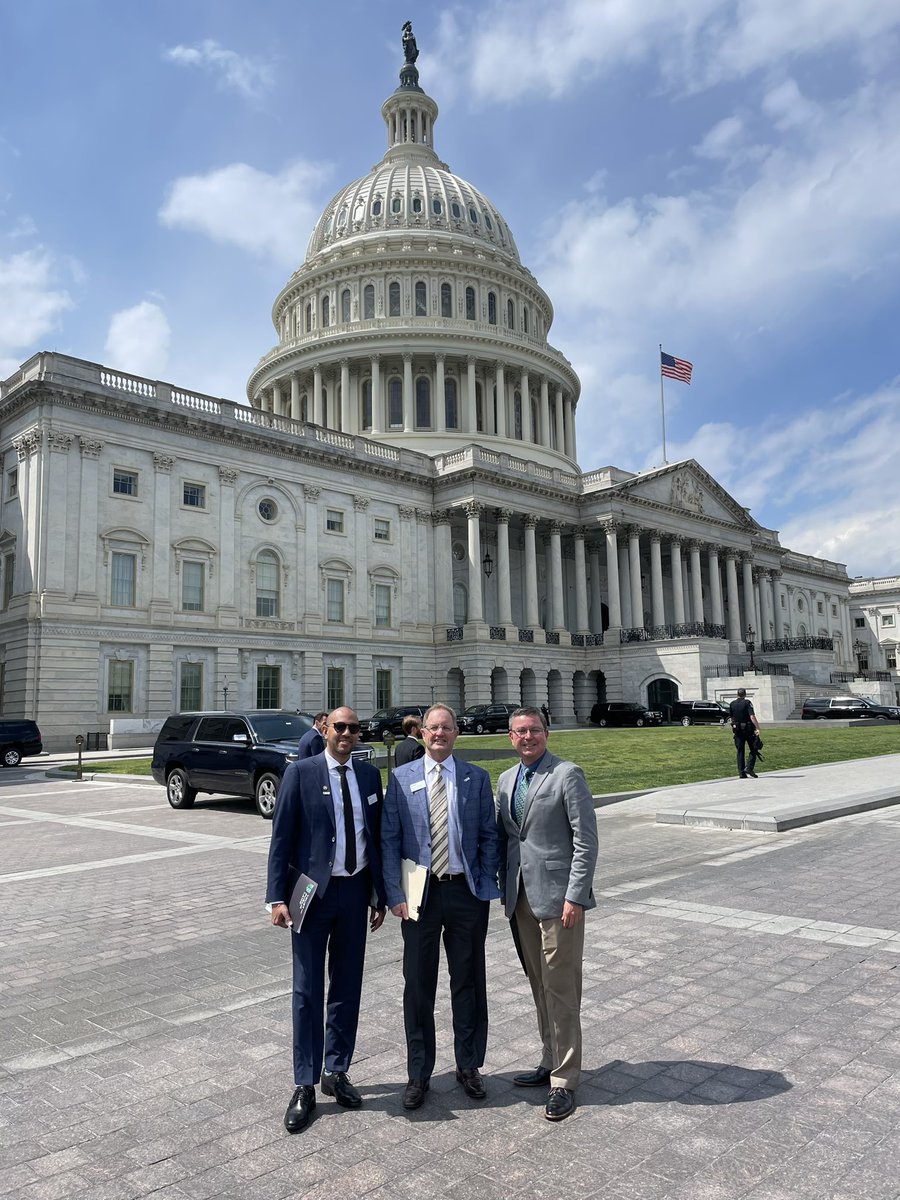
(412, 319)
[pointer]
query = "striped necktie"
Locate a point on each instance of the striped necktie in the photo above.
(522, 794)
(440, 837)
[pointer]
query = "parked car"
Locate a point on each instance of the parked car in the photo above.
(486, 718)
(823, 708)
(699, 712)
(390, 719)
(18, 739)
(624, 712)
(233, 753)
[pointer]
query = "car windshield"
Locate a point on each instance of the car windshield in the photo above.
(381, 715)
(474, 710)
(280, 727)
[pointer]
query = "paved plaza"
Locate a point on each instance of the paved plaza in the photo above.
(741, 1007)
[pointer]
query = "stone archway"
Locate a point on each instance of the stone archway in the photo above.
(499, 685)
(456, 689)
(583, 691)
(528, 687)
(661, 695)
(555, 698)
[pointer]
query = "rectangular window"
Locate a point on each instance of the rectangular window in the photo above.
(834, 610)
(9, 578)
(119, 695)
(384, 689)
(334, 601)
(334, 520)
(859, 622)
(820, 607)
(125, 483)
(121, 580)
(194, 495)
(190, 687)
(334, 682)
(887, 620)
(267, 593)
(192, 587)
(382, 606)
(268, 687)
(12, 483)
(382, 529)
(890, 659)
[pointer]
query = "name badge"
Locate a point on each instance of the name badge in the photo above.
(417, 787)
(373, 799)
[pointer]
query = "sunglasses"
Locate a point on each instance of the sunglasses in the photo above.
(346, 726)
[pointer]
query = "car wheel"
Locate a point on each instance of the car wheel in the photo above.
(686, 721)
(11, 756)
(266, 792)
(178, 793)
(639, 722)
(602, 722)
(479, 727)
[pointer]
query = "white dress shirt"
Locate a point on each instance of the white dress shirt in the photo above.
(337, 800)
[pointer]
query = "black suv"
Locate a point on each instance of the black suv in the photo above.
(623, 712)
(18, 738)
(699, 712)
(847, 708)
(486, 718)
(390, 720)
(233, 753)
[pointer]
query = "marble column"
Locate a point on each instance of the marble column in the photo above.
(443, 568)
(501, 400)
(531, 580)
(408, 399)
(570, 427)
(677, 581)
(612, 574)
(634, 563)
(295, 397)
(581, 600)
(749, 596)
(318, 408)
(277, 408)
(778, 611)
(228, 577)
(504, 588)
(734, 603)
(476, 604)
(557, 617)
(596, 592)
(471, 399)
(625, 585)
(440, 403)
(377, 401)
(345, 396)
(86, 556)
(765, 596)
(545, 413)
(715, 585)
(696, 583)
(560, 426)
(525, 389)
(656, 582)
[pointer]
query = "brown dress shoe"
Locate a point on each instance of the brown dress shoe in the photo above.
(415, 1093)
(473, 1084)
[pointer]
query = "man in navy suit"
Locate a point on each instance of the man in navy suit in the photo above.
(313, 741)
(327, 826)
(439, 812)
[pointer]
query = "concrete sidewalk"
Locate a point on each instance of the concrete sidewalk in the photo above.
(781, 800)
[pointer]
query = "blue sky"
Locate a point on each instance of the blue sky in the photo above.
(720, 176)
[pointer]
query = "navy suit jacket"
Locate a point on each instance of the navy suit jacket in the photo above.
(406, 829)
(311, 744)
(303, 829)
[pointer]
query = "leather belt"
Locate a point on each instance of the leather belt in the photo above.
(446, 878)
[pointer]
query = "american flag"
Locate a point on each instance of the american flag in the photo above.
(675, 368)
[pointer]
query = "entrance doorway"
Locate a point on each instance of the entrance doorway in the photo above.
(662, 694)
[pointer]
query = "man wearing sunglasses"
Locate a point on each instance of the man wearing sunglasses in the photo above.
(439, 813)
(327, 826)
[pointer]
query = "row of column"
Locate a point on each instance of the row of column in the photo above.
(554, 427)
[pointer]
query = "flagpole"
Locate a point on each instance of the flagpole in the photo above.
(662, 407)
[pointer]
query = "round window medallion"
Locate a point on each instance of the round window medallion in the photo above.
(267, 509)
(459, 551)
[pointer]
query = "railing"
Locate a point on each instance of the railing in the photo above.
(871, 676)
(743, 668)
(552, 639)
(498, 633)
(526, 635)
(807, 643)
(455, 633)
(668, 633)
(127, 383)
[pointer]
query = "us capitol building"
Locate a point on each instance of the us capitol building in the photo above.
(397, 515)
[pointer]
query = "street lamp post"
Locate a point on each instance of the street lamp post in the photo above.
(751, 633)
(859, 648)
(225, 692)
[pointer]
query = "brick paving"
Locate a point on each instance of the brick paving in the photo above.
(741, 1008)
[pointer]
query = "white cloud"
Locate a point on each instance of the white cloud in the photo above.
(269, 215)
(235, 72)
(33, 301)
(138, 340)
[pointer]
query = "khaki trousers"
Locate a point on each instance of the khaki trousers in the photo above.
(553, 959)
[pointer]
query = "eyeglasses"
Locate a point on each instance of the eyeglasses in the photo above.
(535, 731)
(441, 728)
(346, 726)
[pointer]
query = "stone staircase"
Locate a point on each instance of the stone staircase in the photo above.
(807, 687)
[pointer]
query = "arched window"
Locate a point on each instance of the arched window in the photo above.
(460, 604)
(326, 311)
(492, 308)
(517, 415)
(417, 204)
(446, 300)
(455, 210)
(535, 420)
(423, 403)
(396, 205)
(510, 315)
(394, 300)
(395, 403)
(365, 415)
(268, 592)
(437, 206)
(473, 216)
(376, 208)
(450, 403)
(421, 298)
(309, 318)
(553, 425)
(524, 318)
(345, 305)
(470, 304)
(368, 302)
(304, 407)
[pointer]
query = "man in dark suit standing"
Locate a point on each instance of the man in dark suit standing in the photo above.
(439, 812)
(327, 826)
(313, 741)
(745, 727)
(410, 748)
(548, 852)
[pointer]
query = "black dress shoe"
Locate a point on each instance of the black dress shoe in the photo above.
(415, 1093)
(560, 1104)
(337, 1084)
(302, 1104)
(539, 1077)
(753, 775)
(473, 1084)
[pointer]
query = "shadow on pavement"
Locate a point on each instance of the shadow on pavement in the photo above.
(685, 1081)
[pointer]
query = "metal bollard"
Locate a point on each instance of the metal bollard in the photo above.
(79, 742)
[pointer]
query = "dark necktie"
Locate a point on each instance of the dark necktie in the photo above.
(349, 823)
(522, 793)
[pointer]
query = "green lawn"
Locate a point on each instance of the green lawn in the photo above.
(630, 760)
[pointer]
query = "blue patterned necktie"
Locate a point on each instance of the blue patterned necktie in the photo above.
(522, 794)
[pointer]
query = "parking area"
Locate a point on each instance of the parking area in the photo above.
(144, 1046)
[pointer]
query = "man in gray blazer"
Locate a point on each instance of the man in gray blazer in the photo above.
(548, 852)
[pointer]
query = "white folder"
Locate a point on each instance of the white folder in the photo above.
(413, 878)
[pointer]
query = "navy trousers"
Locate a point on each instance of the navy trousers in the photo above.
(742, 739)
(333, 934)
